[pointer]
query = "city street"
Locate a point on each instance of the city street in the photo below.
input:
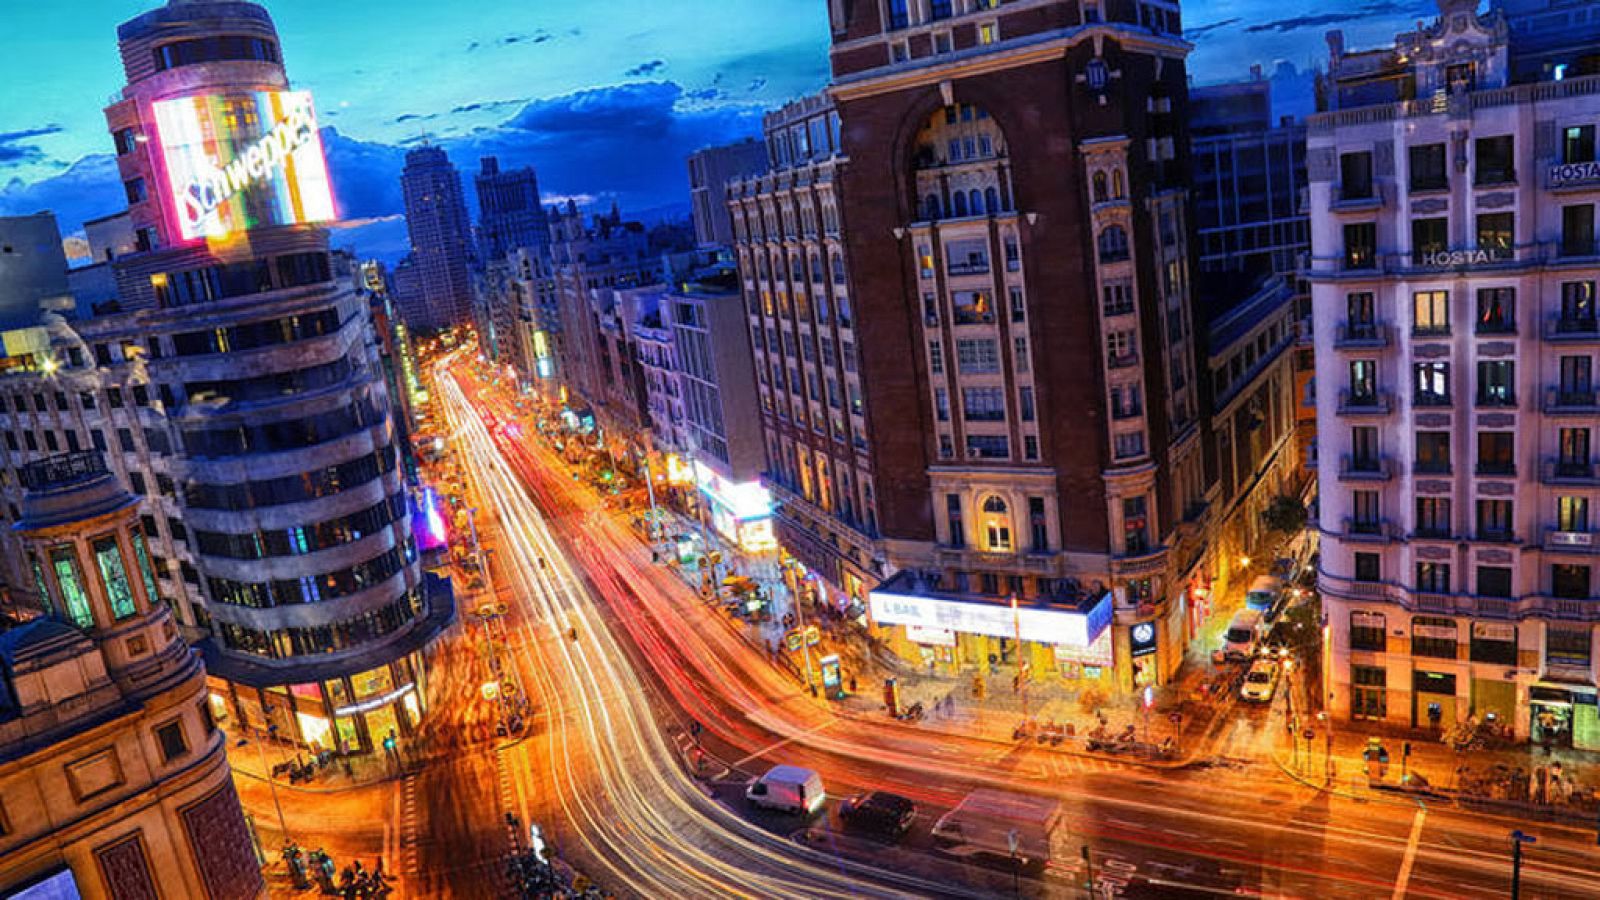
(1226, 823)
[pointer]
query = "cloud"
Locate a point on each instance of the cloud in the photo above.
(13, 152)
(414, 117)
(1200, 31)
(488, 105)
(646, 69)
(756, 85)
(88, 189)
(1296, 23)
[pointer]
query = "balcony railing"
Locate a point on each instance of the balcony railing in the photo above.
(1495, 400)
(1371, 530)
(1377, 403)
(1572, 328)
(1349, 198)
(1495, 536)
(970, 267)
(1571, 541)
(1362, 336)
(1432, 401)
(1431, 467)
(1562, 401)
(1577, 248)
(1496, 469)
(1557, 472)
(1364, 468)
(1478, 606)
(1127, 411)
(1122, 360)
(1431, 533)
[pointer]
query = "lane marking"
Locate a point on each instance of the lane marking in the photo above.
(1411, 853)
(788, 740)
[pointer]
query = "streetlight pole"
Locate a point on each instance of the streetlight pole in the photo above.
(1517, 840)
(805, 645)
(650, 491)
(1022, 680)
(271, 784)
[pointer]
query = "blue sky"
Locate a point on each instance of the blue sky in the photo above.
(604, 97)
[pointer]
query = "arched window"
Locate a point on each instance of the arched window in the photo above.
(960, 202)
(1116, 184)
(1100, 194)
(838, 269)
(761, 267)
(795, 272)
(1113, 244)
(816, 267)
(930, 208)
(996, 525)
(976, 199)
(991, 199)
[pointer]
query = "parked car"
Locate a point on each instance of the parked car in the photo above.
(880, 812)
(1244, 632)
(787, 788)
(1261, 682)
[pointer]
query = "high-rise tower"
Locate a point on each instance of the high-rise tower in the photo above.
(441, 241)
(510, 216)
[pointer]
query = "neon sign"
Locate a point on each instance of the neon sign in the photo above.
(243, 160)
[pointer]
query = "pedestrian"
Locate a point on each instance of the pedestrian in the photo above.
(852, 684)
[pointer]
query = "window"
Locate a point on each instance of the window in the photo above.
(114, 577)
(1567, 645)
(1428, 169)
(170, 737)
(1128, 444)
(1367, 631)
(941, 44)
(1364, 448)
(1025, 404)
(1030, 446)
(1494, 642)
(1019, 354)
(1113, 243)
(1494, 581)
(973, 307)
(126, 140)
(1434, 636)
(1135, 526)
(1433, 577)
(988, 33)
(977, 356)
(1494, 520)
(1430, 312)
(1577, 307)
(1119, 349)
(1366, 567)
(1572, 447)
(1038, 526)
(941, 404)
(1577, 144)
(1497, 453)
(1577, 230)
(899, 13)
(1497, 310)
(1019, 310)
(1433, 452)
(988, 446)
(135, 191)
(65, 564)
(1432, 383)
(987, 404)
(1429, 236)
(1495, 160)
(1496, 233)
(1117, 298)
(1364, 380)
(936, 357)
(1360, 315)
(1576, 387)
(1572, 514)
(1433, 517)
(1569, 582)
(1355, 171)
(1496, 383)
(1361, 245)
(1364, 504)
(1367, 694)
(996, 525)
(214, 49)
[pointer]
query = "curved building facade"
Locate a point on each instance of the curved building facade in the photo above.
(262, 377)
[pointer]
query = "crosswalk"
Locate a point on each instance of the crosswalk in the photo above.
(408, 825)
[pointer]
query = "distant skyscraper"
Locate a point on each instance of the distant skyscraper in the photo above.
(441, 241)
(510, 215)
(710, 170)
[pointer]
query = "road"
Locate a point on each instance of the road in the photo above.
(1226, 827)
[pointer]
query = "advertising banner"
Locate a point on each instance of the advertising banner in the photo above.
(242, 160)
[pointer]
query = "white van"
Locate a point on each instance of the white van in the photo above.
(1239, 642)
(787, 788)
(1000, 825)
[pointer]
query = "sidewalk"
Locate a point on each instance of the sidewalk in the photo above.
(257, 756)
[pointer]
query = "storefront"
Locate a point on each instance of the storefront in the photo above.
(1069, 638)
(1433, 700)
(346, 715)
(741, 513)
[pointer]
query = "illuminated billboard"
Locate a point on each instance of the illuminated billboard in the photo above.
(243, 160)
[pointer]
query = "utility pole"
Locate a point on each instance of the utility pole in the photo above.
(805, 645)
(655, 516)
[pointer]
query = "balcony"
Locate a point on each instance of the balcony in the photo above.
(1575, 329)
(1476, 606)
(1495, 470)
(1425, 400)
(1496, 536)
(1364, 404)
(1496, 400)
(1364, 468)
(1469, 259)
(1431, 533)
(1431, 467)
(1564, 402)
(1133, 565)
(1127, 411)
(1380, 530)
(1576, 249)
(975, 266)
(1557, 541)
(1498, 325)
(1363, 336)
(1356, 197)
(1122, 360)
(1567, 473)
(973, 315)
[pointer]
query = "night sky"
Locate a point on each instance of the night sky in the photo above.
(604, 97)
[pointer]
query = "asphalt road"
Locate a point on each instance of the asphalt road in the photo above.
(608, 767)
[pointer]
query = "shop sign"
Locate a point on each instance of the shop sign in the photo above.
(918, 634)
(830, 672)
(1445, 259)
(1569, 174)
(1494, 631)
(375, 702)
(1096, 654)
(1359, 619)
(1142, 639)
(813, 635)
(1041, 626)
(793, 640)
(1442, 632)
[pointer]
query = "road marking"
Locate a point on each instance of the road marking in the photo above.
(1411, 853)
(788, 740)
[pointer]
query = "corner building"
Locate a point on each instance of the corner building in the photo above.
(1453, 286)
(1013, 209)
(256, 378)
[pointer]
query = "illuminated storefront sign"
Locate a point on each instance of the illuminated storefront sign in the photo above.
(1042, 626)
(1142, 639)
(938, 637)
(1096, 654)
(243, 160)
(1570, 174)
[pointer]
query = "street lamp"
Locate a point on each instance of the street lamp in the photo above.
(1517, 840)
